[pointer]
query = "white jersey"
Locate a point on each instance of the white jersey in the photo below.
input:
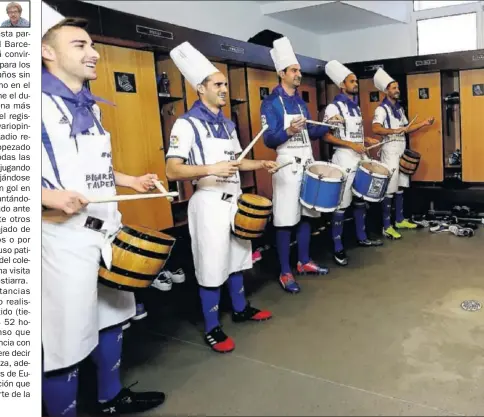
(352, 128)
(385, 117)
(194, 142)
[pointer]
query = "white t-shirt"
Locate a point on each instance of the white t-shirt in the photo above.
(205, 150)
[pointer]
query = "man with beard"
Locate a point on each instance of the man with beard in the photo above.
(80, 318)
(204, 148)
(390, 122)
(285, 113)
(349, 142)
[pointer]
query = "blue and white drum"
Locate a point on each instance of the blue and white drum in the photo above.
(322, 186)
(371, 181)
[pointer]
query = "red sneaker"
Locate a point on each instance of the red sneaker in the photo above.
(311, 268)
(219, 341)
(250, 313)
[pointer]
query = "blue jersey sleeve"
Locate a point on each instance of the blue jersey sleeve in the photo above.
(275, 135)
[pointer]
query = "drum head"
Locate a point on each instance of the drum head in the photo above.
(256, 200)
(411, 153)
(375, 167)
(325, 171)
(145, 233)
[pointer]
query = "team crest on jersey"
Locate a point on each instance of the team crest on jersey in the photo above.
(263, 120)
(174, 140)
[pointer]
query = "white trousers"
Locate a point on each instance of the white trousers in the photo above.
(392, 159)
(217, 253)
(74, 306)
(348, 160)
(286, 189)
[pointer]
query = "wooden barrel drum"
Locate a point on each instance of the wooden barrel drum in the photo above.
(252, 215)
(409, 162)
(139, 255)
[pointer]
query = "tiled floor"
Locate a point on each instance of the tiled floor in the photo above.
(384, 336)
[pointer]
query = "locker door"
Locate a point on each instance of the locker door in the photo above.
(257, 80)
(424, 99)
(472, 126)
(135, 129)
(370, 99)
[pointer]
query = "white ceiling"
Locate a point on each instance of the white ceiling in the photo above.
(330, 17)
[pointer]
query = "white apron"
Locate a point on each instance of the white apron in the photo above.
(286, 183)
(74, 307)
(217, 253)
(391, 153)
(346, 158)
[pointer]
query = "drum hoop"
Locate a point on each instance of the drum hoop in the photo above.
(253, 206)
(144, 236)
(372, 174)
(328, 165)
(143, 252)
(254, 216)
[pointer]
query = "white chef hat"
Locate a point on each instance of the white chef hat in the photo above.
(282, 54)
(337, 72)
(192, 64)
(50, 17)
(381, 80)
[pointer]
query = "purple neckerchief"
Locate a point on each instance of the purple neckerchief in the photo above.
(79, 104)
(279, 90)
(201, 112)
(395, 108)
(353, 107)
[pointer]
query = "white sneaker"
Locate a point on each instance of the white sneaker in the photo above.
(162, 282)
(178, 276)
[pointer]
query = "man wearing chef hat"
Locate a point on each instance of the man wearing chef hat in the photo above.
(203, 148)
(390, 122)
(285, 113)
(79, 318)
(349, 142)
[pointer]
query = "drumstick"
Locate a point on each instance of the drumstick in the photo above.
(390, 140)
(131, 197)
(413, 120)
(282, 166)
(251, 144)
(162, 189)
(322, 124)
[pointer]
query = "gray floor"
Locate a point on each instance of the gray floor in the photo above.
(384, 336)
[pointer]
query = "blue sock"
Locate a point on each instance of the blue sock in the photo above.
(107, 357)
(387, 212)
(360, 214)
(237, 293)
(303, 240)
(337, 229)
(210, 300)
(399, 207)
(59, 393)
(283, 240)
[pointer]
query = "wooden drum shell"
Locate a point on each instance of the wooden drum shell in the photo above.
(409, 162)
(139, 255)
(252, 216)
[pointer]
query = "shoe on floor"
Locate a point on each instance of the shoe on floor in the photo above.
(162, 282)
(288, 283)
(141, 313)
(311, 268)
(178, 277)
(129, 402)
(391, 233)
(340, 258)
(250, 313)
(256, 256)
(126, 325)
(370, 242)
(219, 341)
(405, 224)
